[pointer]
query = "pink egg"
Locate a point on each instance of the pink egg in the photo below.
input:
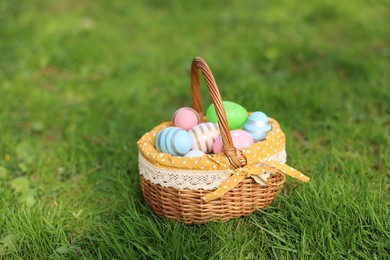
(241, 139)
(185, 118)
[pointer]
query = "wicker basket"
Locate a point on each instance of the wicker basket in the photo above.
(187, 194)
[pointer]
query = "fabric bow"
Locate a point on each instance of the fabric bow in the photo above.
(254, 171)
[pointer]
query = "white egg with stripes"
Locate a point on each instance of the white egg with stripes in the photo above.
(204, 136)
(173, 140)
(257, 125)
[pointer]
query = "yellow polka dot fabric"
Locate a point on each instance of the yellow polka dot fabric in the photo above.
(273, 143)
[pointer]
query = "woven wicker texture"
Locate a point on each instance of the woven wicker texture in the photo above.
(186, 205)
(234, 155)
(190, 206)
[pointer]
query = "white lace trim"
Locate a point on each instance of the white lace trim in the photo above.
(195, 180)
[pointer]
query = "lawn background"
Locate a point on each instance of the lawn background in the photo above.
(81, 81)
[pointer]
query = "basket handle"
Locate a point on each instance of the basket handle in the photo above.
(235, 156)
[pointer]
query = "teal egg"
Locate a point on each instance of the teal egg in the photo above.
(173, 140)
(236, 114)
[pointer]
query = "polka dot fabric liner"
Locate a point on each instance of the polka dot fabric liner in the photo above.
(273, 143)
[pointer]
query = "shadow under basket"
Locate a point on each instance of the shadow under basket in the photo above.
(187, 206)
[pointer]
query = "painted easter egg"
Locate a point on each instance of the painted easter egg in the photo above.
(204, 135)
(257, 125)
(236, 114)
(241, 139)
(173, 140)
(185, 118)
(194, 153)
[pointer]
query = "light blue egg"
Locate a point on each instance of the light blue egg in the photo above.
(257, 125)
(160, 140)
(194, 153)
(173, 140)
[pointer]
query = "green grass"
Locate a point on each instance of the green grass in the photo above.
(80, 82)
